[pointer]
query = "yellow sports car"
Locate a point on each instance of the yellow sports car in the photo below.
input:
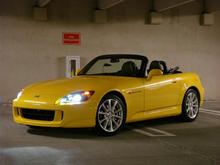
(108, 92)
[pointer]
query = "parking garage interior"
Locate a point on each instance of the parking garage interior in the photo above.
(184, 33)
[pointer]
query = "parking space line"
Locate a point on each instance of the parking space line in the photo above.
(209, 111)
(160, 131)
(215, 111)
(6, 104)
(153, 132)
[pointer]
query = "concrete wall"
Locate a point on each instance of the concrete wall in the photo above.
(29, 50)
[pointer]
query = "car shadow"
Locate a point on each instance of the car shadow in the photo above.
(89, 133)
(156, 122)
(71, 133)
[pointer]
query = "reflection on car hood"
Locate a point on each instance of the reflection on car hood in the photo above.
(64, 86)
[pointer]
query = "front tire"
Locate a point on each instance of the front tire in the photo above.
(190, 106)
(111, 115)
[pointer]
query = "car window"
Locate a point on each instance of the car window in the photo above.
(116, 65)
(111, 66)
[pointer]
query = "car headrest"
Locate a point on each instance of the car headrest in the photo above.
(129, 67)
(155, 65)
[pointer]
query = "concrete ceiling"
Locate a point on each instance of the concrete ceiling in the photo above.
(158, 5)
(42, 3)
(212, 5)
(105, 4)
(161, 5)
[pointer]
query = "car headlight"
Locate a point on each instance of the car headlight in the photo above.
(18, 95)
(75, 98)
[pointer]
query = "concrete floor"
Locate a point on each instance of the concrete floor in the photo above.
(165, 141)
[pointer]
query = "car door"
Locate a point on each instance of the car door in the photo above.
(161, 91)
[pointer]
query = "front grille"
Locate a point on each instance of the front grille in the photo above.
(36, 114)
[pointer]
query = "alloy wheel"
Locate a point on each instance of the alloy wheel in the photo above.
(110, 115)
(192, 105)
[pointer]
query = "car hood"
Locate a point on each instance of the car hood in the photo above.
(55, 89)
(67, 85)
(48, 92)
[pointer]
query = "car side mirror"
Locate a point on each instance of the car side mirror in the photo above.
(155, 72)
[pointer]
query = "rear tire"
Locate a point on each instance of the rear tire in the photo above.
(190, 105)
(110, 116)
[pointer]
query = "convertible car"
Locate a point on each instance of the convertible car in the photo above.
(108, 92)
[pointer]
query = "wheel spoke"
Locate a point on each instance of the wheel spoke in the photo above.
(117, 111)
(109, 104)
(106, 124)
(190, 113)
(114, 106)
(103, 120)
(189, 97)
(104, 107)
(111, 125)
(195, 101)
(194, 112)
(116, 116)
(102, 113)
(193, 97)
(194, 106)
(115, 122)
(188, 109)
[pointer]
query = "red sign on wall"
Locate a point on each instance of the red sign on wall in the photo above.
(71, 38)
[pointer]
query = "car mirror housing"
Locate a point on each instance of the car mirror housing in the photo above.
(155, 72)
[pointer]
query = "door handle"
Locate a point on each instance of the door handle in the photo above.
(174, 81)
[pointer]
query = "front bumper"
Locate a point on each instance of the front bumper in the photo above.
(75, 116)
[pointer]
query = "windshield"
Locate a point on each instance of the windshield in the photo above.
(116, 65)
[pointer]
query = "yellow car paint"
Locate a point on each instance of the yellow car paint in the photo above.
(145, 98)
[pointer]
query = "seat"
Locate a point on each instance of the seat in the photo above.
(129, 68)
(154, 65)
(164, 67)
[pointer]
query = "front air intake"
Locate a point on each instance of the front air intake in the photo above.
(36, 114)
